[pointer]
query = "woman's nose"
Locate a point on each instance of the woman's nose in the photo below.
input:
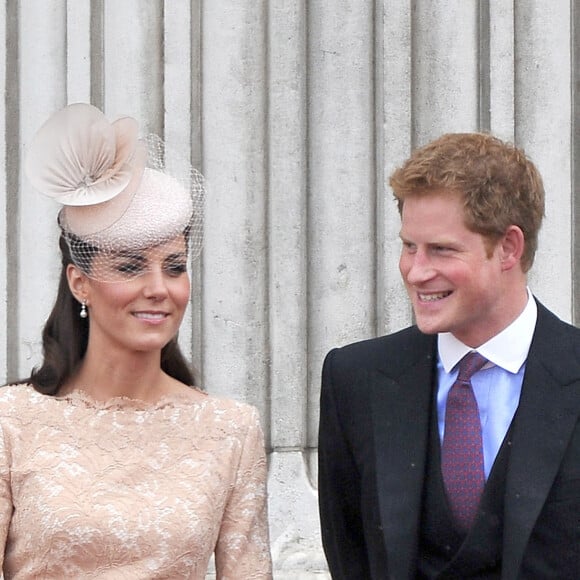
(155, 285)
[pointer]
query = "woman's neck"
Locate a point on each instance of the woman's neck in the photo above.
(133, 375)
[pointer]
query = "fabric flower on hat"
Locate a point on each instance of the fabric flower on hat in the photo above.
(78, 158)
(117, 194)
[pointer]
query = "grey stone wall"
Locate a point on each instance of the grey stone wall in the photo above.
(296, 112)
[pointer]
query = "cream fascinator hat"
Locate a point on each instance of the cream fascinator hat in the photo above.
(120, 199)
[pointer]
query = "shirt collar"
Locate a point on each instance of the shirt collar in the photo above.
(508, 349)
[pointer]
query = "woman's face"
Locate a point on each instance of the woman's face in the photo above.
(141, 310)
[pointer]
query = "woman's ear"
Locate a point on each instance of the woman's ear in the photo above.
(77, 282)
(512, 247)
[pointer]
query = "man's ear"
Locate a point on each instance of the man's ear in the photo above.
(77, 282)
(511, 247)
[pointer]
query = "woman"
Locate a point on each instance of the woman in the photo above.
(111, 465)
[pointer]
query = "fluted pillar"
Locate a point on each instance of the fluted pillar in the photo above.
(296, 112)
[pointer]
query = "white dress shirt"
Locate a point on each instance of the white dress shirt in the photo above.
(497, 387)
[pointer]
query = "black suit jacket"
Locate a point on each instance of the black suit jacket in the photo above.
(374, 423)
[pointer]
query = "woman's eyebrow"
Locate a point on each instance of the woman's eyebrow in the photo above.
(175, 256)
(131, 255)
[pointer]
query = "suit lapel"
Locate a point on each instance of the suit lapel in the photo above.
(543, 425)
(401, 410)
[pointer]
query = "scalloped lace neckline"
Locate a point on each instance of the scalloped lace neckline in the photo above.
(80, 397)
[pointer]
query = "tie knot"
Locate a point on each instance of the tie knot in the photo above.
(469, 365)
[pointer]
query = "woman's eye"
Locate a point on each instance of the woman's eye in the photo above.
(129, 267)
(176, 269)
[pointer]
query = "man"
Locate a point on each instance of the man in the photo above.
(426, 472)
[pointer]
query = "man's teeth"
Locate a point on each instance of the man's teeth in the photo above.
(433, 297)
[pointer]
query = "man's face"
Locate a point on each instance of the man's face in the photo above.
(453, 279)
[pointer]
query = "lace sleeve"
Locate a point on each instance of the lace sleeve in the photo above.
(5, 498)
(243, 549)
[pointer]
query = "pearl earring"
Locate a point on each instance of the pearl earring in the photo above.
(83, 313)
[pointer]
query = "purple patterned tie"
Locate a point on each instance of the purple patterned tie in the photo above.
(462, 452)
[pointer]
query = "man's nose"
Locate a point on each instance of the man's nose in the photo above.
(420, 268)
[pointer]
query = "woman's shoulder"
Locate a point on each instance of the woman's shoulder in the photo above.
(21, 402)
(228, 406)
(17, 393)
(226, 413)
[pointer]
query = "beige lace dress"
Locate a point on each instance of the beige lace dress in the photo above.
(126, 489)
